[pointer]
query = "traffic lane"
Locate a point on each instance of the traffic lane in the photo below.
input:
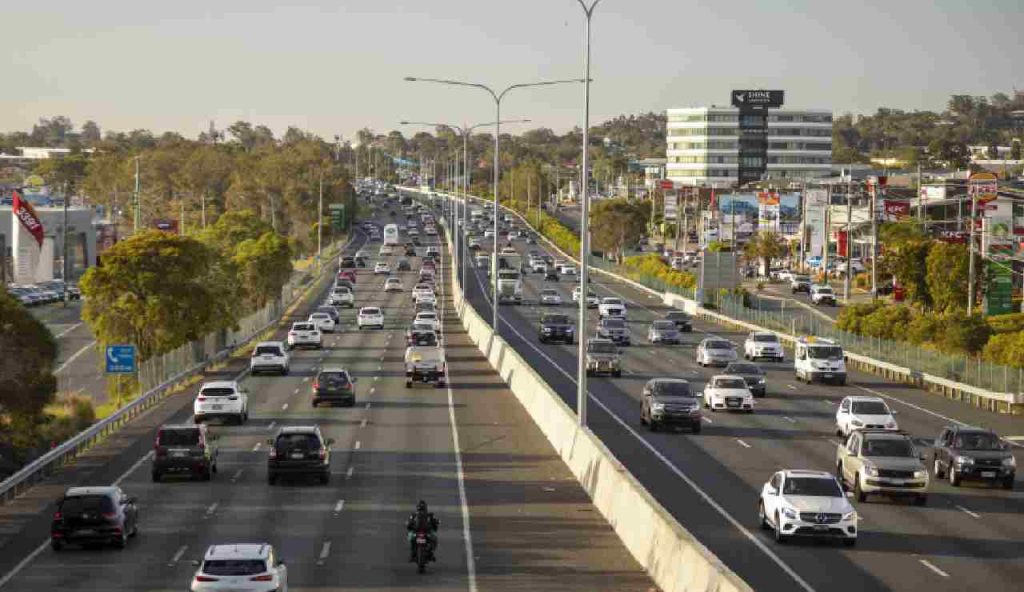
(726, 534)
(27, 519)
(774, 425)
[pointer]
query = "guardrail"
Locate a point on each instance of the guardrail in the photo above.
(67, 451)
(1010, 400)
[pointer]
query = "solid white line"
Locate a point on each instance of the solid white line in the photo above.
(968, 512)
(789, 419)
(238, 473)
(338, 507)
(358, 444)
(68, 330)
(706, 419)
(177, 555)
(284, 407)
(257, 446)
(74, 357)
(928, 564)
(742, 443)
(348, 473)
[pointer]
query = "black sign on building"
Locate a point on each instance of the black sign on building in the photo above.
(753, 126)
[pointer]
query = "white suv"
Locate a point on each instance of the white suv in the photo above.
(864, 413)
(341, 296)
(806, 503)
(823, 295)
(612, 307)
(249, 567)
(370, 316)
(304, 335)
(269, 355)
(762, 344)
(221, 399)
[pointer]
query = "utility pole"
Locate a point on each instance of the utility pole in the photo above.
(825, 232)
(849, 237)
(203, 215)
(970, 254)
(320, 225)
(67, 267)
(686, 221)
(920, 200)
(803, 228)
(137, 198)
(874, 243)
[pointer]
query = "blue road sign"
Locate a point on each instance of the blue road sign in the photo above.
(121, 359)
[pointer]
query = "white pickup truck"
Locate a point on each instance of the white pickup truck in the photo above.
(611, 307)
(424, 364)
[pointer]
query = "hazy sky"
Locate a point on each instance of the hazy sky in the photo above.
(333, 67)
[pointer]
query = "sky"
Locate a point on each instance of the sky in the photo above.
(333, 67)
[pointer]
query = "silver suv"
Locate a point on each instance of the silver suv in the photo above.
(882, 461)
(603, 357)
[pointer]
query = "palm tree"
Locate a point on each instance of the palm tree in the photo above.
(764, 246)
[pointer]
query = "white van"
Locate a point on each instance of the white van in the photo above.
(819, 360)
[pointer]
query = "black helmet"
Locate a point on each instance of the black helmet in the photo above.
(421, 506)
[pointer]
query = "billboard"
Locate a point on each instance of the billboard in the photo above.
(754, 99)
(779, 213)
(671, 211)
(894, 210)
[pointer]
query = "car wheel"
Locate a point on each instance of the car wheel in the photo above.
(954, 479)
(652, 425)
(617, 374)
(937, 469)
(779, 537)
(1008, 483)
(849, 542)
(408, 384)
(839, 431)
(921, 500)
(271, 479)
(762, 520)
(122, 541)
(859, 493)
(206, 475)
(325, 478)
(696, 428)
(56, 545)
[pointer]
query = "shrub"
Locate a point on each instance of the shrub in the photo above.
(653, 266)
(1005, 348)
(862, 281)
(963, 334)
(1008, 323)
(851, 317)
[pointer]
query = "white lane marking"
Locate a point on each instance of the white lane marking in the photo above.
(305, 379)
(284, 407)
(177, 555)
(372, 389)
(742, 443)
(362, 424)
(271, 426)
(706, 419)
(257, 446)
(295, 392)
(376, 378)
(358, 444)
(834, 441)
(74, 357)
(968, 512)
(68, 330)
(238, 473)
(929, 565)
(791, 387)
(212, 509)
(789, 419)
(348, 473)
(754, 539)
(338, 507)
(379, 367)
(368, 405)
(324, 552)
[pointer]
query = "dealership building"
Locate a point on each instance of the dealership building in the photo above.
(728, 146)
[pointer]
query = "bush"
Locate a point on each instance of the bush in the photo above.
(876, 320)
(653, 266)
(862, 281)
(925, 328)
(963, 334)
(1008, 323)
(851, 317)
(1005, 348)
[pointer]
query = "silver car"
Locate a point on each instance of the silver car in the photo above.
(663, 332)
(715, 351)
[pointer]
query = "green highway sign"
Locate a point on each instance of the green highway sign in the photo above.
(337, 216)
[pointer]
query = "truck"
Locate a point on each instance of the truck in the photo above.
(510, 278)
(426, 364)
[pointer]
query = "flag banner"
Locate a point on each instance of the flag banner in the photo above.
(26, 214)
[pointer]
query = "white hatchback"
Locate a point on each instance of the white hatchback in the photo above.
(304, 335)
(222, 399)
(269, 355)
(242, 568)
(382, 267)
(370, 316)
(393, 284)
(323, 321)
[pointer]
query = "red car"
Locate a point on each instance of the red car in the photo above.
(347, 274)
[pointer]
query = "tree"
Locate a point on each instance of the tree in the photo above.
(27, 354)
(946, 276)
(155, 290)
(764, 246)
(264, 265)
(1015, 152)
(615, 223)
(91, 133)
(906, 252)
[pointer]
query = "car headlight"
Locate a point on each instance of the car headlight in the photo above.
(964, 460)
(870, 471)
(1009, 462)
(851, 515)
(790, 513)
(658, 406)
(890, 425)
(857, 423)
(920, 474)
(760, 381)
(546, 329)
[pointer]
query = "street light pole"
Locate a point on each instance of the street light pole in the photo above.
(497, 96)
(320, 225)
(581, 368)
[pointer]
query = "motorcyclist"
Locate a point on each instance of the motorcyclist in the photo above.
(422, 520)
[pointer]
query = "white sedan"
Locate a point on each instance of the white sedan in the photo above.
(425, 298)
(322, 321)
(551, 297)
(807, 503)
(592, 300)
(393, 285)
(428, 318)
(370, 316)
(382, 267)
(728, 392)
(421, 290)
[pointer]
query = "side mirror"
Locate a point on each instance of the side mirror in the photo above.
(330, 441)
(354, 380)
(195, 562)
(129, 500)
(894, 412)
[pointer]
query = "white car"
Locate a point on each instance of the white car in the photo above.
(714, 351)
(393, 285)
(221, 399)
(323, 321)
(612, 307)
(728, 393)
(864, 413)
(269, 356)
(509, 251)
(413, 232)
(763, 344)
(386, 251)
(429, 318)
(488, 232)
(426, 298)
(785, 275)
(304, 335)
(567, 270)
(806, 503)
(421, 290)
(370, 316)
(823, 295)
(432, 251)
(242, 567)
(382, 267)
(550, 296)
(538, 266)
(592, 299)
(341, 296)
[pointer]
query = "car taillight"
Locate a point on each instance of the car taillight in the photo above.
(201, 398)
(233, 398)
(322, 453)
(58, 516)
(109, 515)
(273, 453)
(316, 385)
(202, 446)
(263, 578)
(206, 579)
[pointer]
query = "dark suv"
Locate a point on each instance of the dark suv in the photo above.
(670, 402)
(970, 453)
(334, 384)
(94, 515)
(299, 450)
(184, 448)
(556, 327)
(682, 320)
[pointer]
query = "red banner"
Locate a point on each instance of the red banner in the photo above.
(842, 241)
(666, 184)
(24, 212)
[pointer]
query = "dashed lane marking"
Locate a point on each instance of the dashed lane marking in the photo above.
(742, 443)
(968, 512)
(338, 507)
(177, 555)
(932, 567)
(235, 477)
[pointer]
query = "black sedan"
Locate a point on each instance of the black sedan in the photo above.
(752, 374)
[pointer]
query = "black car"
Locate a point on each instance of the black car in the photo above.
(345, 284)
(404, 265)
(299, 451)
(670, 402)
(682, 320)
(965, 453)
(348, 262)
(360, 261)
(334, 384)
(556, 327)
(94, 515)
(410, 251)
(550, 274)
(752, 374)
(184, 448)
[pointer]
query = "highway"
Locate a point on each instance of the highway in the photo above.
(78, 364)
(967, 537)
(512, 516)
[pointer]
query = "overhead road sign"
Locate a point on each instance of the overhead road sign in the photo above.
(121, 359)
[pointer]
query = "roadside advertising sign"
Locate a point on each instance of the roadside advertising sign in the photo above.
(984, 186)
(671, 211)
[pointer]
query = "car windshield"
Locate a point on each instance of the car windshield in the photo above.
(267, 350)
(801, 278)
(179, 437)
(664, 325)
(813, 486)
(320, 316)
(824, 290)
(743, 369)
(825, 352)
(766, 338)
(978, 442)
(602, 348)
(234, 567)
(426, 316)
(677, 316)
(80, 504)
(333, 378)
(718, 345)
(671, 388)
(869, 408)
(614, 323)
(556, 320)
(549, 293)
(730, 383)
(887, 447)
(611, 301)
